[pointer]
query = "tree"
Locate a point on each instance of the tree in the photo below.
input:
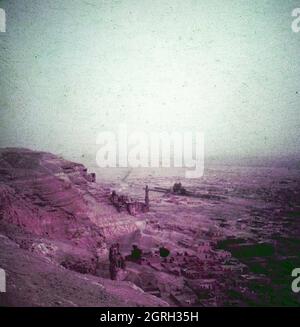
(164, 252)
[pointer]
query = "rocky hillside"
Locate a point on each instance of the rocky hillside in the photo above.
(55, 227)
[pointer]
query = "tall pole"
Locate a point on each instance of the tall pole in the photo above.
(147, 196)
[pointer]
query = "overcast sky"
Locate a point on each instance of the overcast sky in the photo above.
(69, 69)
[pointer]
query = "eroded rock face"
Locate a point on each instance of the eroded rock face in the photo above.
(52, 197)
(58, 201)
(53, 212)
(43, 194)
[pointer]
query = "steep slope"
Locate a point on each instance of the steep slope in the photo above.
(32, 280)
(51, 209)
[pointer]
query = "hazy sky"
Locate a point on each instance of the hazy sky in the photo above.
(69, 69)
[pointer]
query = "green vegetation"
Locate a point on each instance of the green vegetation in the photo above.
(136, 253)
(164, 252)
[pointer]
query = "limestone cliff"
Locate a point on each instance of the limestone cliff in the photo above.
(53, 209)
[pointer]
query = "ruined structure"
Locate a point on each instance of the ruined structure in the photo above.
(132, 207)
(116, 262)
(178, 189)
